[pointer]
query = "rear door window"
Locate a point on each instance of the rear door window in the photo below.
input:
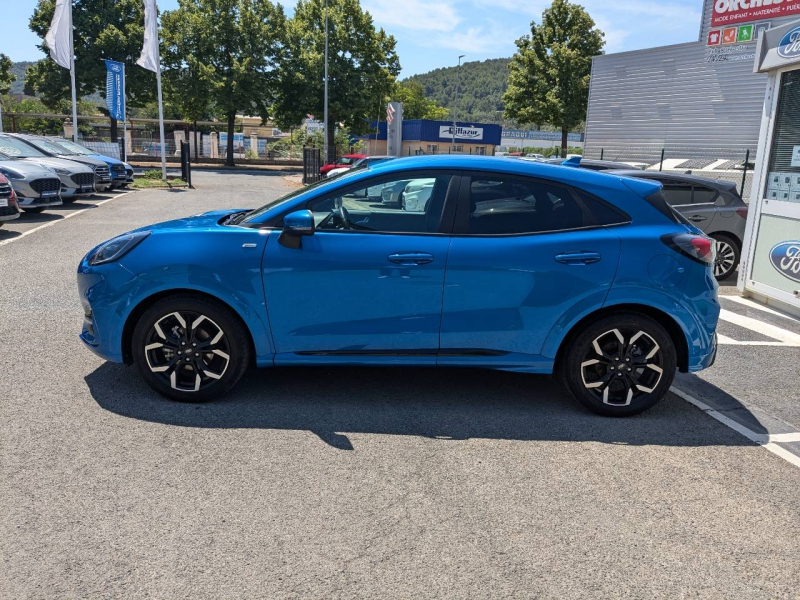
(677, 193)
(506, 205)
(704, 195)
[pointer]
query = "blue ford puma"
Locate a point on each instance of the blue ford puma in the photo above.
(475, 262)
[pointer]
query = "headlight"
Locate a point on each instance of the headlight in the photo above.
(117, 248)
(56, 170)
(12, 174)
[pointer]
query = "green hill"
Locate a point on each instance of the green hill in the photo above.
(480, 90)
(18, 70)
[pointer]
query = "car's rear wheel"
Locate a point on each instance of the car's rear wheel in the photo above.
(728, 254)
(190, 348)
(620, 365)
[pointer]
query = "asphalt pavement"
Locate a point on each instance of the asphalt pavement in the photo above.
(371, 483)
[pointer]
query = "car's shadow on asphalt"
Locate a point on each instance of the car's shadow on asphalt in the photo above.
(446, 404)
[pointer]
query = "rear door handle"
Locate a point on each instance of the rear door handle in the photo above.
(578, 258)
(697, 218)
(410, 258)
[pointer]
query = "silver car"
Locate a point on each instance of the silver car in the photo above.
(53, 149)
(76, 179)
(37, 188)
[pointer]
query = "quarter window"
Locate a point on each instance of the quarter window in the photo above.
(413, 204)
(510, 206)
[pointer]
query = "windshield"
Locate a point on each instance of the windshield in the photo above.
(51, 148)
(14, 147)
(4, 157)
(319, 185)
(73, 148)
(346, 160)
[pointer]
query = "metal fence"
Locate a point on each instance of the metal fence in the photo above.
(312, 162)
(714, 163)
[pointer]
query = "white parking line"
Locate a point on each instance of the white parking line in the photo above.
(749, 303)
(768, 442)
(787, 338)
(67, 216)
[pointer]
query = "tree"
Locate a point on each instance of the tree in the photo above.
(225, 53)
(6, 76)
(415, 105)
(549, 79)
(103, 30)
(362, 66)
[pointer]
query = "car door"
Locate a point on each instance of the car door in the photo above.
(369, 280)
(526, 255)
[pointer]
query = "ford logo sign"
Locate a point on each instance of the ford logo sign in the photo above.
(790, 44)
(785, 257)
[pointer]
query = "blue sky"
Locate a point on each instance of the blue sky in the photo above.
(432, 33)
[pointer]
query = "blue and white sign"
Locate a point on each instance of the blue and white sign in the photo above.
(785, 257)
(115, 89)
(789, 46)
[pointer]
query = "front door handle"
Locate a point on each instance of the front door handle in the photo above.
(410, 258)
(697, 218)
(578, 258)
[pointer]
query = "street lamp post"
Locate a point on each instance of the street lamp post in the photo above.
(455, 102)
(325, 118)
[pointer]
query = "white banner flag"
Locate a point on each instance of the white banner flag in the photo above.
(149, 57)
(58, 37)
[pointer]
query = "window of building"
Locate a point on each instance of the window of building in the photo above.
(500, 205)
(481, 150)
(407, 205)
(433, 148)
(785, 138)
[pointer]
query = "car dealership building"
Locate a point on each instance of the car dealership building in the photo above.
(698, 100)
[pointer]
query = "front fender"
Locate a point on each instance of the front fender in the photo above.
(222, 263)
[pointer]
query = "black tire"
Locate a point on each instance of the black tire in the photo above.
(594, 379)
(35, 210)
(728, 254)
(223, 363)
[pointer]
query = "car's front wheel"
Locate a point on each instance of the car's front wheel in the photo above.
(620, 365)
(190, 348)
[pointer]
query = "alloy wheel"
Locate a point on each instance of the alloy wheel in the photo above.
(620, 365)
(726, 258)
(187, 350)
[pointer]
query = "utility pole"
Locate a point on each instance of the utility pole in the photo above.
(326, 159)
(455, 102)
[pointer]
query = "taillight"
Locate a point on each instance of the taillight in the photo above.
(697, 247)
(742, 212)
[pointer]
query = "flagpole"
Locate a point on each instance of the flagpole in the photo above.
(124, 119)
(161, 114)
(72, 78)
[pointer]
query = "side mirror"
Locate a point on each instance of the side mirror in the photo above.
(296, 225)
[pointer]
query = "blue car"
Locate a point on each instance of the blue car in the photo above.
(121, 173)
(495, 263)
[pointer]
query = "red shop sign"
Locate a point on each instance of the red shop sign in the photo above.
(741, 11)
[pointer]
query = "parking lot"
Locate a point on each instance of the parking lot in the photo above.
(382, 483)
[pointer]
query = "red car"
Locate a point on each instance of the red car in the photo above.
(346, 161)
(9, 209)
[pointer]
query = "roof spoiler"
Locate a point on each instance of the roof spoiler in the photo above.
(575, 161)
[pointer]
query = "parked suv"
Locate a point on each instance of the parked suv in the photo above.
(712, 205)
(36, 187)
(508, 264)
(76, 179)
(9, 209)
(102, 172)
(118, 169)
